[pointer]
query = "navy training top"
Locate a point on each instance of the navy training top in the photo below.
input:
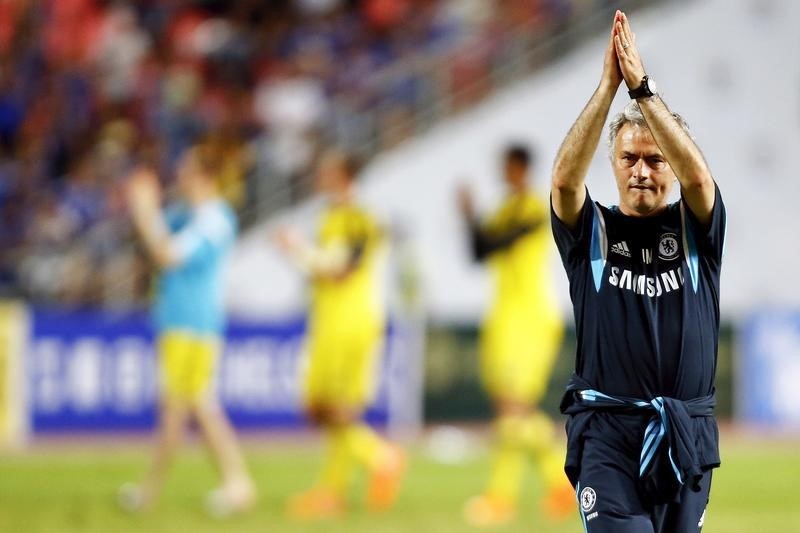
(645, 292)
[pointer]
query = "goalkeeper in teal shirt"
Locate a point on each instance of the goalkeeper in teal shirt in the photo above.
(189, 243)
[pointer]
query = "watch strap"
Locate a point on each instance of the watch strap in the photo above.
(642, 91)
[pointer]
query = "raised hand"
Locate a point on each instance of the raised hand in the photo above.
(465, 203)
(287, 239)
(143, 190)
(611, 72)
(629, 60)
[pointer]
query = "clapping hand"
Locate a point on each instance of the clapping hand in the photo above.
(628, 58)
(143, 191)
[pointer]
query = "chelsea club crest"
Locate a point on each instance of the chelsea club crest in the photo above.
(668, 247)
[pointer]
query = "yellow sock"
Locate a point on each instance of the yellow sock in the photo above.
(508, 465)
(337, 469)
(537, 432)
(551, 467)
(364, 445)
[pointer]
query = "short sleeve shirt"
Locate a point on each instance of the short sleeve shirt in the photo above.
(645, 292)
(189, 294)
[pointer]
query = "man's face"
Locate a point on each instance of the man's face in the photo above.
(330, 178)
(514, 173)
(644, 178)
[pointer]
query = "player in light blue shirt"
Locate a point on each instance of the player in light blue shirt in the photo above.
(189, 295)
(189, 243)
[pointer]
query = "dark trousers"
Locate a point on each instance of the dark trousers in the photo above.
(609, 495)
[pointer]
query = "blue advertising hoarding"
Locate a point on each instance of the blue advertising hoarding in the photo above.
(97, 371)
(768, 370)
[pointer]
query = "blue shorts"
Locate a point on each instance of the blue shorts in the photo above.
(609, 492)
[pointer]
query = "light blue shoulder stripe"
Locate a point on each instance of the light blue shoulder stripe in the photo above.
(690, 249)
(598, 247)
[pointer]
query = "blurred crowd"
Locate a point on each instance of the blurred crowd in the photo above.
(91, 88)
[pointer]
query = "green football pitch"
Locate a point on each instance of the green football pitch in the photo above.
(72, 488)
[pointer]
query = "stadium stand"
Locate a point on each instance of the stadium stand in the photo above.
(88, 88)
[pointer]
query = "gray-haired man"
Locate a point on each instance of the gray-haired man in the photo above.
(644, 282)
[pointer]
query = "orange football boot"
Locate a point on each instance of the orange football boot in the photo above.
(386, 479)
(486, 510)
(560, 502)
(315, 504)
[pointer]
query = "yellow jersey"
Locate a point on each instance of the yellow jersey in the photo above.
(522, 331)
(520, 258)
(347, 313)
(353, 299)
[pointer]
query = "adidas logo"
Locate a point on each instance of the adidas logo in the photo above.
(621, 248)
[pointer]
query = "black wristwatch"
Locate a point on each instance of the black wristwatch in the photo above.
(646, 89)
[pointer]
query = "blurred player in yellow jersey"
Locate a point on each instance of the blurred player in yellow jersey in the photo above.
(344, 342)
(519, 341)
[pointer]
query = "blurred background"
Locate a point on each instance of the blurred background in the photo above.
(427, 93)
